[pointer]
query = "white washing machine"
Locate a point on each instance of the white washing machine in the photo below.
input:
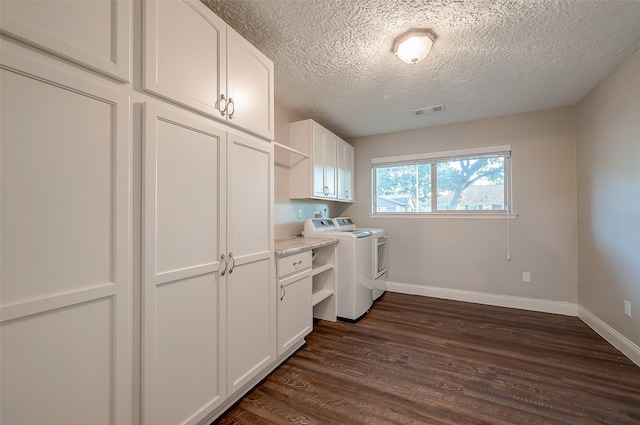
(378, 252)
(354, 282)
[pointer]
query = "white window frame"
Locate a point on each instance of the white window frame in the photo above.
(445, 156)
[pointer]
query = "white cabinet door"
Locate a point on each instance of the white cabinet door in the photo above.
(323, 153)
(249, 87)
(250, 285)
(318, 152)
(185, 54)
(184, 239)
(66, 326)
(345, 171)
(94, 34)
(331, 164)
(295, 318)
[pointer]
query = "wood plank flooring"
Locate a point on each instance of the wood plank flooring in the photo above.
(419, 360)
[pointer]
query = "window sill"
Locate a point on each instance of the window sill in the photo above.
(481, 216)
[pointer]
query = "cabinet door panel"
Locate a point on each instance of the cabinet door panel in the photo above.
(184, 181)
(185, 66)
(66, 261)
(250, 191)
(66, 368)
(250, 322)
(345, 171)
(183, 364)
(318, 152)
(250, 282)
(295, 318)
(330, 164)
(99, 40)
(250, 85)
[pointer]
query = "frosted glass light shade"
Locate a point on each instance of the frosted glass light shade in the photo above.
(413, 45)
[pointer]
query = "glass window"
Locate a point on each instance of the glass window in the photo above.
(472, 181)
(471, 184)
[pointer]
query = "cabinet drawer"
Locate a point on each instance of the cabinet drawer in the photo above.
(293, 263)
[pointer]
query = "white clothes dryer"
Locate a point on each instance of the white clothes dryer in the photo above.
(378, 252)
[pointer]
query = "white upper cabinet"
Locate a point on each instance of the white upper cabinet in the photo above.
(325, 172)
(93, 34)
(191, 57)
(345, 171)
(184, 61)
(249, 87)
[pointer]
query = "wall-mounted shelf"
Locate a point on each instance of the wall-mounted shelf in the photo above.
(287, 148)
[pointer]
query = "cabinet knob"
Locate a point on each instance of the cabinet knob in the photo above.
(296, 265)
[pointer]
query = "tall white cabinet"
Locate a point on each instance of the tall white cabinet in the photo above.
(184, 244)
(208, 289)
(137, 281)
(66, 259)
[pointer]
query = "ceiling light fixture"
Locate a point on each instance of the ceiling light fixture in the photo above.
(413, 45)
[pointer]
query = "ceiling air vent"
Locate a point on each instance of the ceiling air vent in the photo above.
(428, 110)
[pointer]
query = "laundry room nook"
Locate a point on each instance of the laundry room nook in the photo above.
(319, 212)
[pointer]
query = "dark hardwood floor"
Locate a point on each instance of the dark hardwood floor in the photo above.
(419, 360)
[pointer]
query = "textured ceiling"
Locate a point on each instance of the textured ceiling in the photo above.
(492, 57)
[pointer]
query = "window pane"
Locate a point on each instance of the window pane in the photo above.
(404, 188)
(472, 184)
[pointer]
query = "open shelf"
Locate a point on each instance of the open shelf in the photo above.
(321, 268)
(323, 274)
(320, 296)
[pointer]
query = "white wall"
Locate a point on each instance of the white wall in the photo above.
(470, 254)
(608, 160)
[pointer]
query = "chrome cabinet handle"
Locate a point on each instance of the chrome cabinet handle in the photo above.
(283, 292)
(233, 265)
(234, 108)
(222, 273)
(226, 104)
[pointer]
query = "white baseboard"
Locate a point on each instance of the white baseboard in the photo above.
(615, 338)
(533, 304)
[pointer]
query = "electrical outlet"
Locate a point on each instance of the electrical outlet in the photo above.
(627, 308)
(526, 277)
(299, 213)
